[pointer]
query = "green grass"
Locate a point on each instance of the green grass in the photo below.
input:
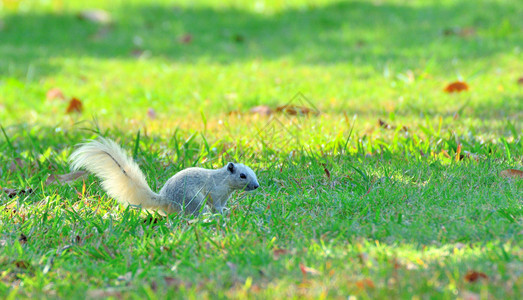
(375, 212)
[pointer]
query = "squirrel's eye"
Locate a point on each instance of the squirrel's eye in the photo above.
(243, 176)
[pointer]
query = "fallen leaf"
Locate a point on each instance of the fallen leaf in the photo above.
(364, 257)
(172, 281)
(306, 270)
(13, 192)
(263, 110)
(75, 105)
(151, 220)
(137, 53)
(467, 32)
(520, 80)
(294, 110)
(234, 113)
(385, 125)
(511, 173)
(473, 276)
(54, 93)
(16, 164)
(22, 239)
(360, 43)
(238, 38)
(365, 283)
(10, 192)
(22, 264)
(462, 32)
(151, 113)
(456, 87)
(327, 172)
(96, 16)
(65, 178)
(186, 39)
(278, 252)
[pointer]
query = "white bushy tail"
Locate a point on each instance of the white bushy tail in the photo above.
(121, 177)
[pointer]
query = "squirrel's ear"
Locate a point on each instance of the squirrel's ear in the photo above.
(230, 167)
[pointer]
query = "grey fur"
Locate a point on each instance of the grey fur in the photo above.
(188, 190)
(198, 186)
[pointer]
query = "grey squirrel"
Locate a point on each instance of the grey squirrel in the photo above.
(187, 191)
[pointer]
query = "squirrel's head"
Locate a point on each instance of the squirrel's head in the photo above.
(242, 177)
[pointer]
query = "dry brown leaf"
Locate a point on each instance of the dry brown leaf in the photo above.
(467, 31)
(55, 93)
(306, 270)
(277, 253)
(234, 113)
(263, 110)
(16, 164)
(365, 283)
(186, 39)
(462, 32)
(10, 192)
(22, 239)
(21, 264)
(173, 281)
(456, 87)
(385, 125)
(96, 16)
(511, 173)
(473, 276)
(137, 53)
(75, 105)
(520, 80)
(151, 220)
(294, 110)
(13, 192)
(65, 178)
(327, 172)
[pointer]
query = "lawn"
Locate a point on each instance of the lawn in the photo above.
(382, 185)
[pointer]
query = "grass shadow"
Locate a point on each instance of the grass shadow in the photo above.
(355, 32)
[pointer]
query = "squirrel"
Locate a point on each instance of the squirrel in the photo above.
(187, 191)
